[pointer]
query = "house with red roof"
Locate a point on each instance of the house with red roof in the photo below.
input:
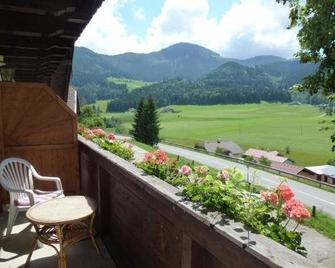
(273, 156)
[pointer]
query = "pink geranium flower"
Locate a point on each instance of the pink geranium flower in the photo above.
(99, 132)
(185, 170)
(223, 175)
(89, 134)
(284, 192)
(269, 196)
(111, 137)
(158, 157)
(161, 157)
(295, 209)
(149, 157)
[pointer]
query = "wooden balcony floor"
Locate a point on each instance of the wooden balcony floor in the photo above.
(15, 249)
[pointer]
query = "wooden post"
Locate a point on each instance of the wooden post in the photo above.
(2, 143)
(187, 252)
(313, 211)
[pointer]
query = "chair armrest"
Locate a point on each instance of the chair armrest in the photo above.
(46, 178)
(28, 192)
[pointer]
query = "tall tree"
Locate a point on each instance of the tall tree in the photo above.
(151, 122)
(316, 22)
(138, 129)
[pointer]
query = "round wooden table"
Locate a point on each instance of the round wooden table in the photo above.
(62, 221)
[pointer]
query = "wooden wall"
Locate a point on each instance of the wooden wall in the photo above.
(35, 124)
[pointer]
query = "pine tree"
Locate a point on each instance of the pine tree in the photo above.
(151, 122)
(138, 124)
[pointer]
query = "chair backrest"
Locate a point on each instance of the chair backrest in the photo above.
(16, 174)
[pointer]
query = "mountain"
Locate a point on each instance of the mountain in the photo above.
(260, 60)
(230, 83)
(90, 67)
(236, 75)
(289, 72)
(190, 66)
(183, 60)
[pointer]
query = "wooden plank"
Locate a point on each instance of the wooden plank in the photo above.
(3, 194)
(40, 147)
(34, 42)
(2, 143)
(36, 6)
(17, 52)
(186, 261)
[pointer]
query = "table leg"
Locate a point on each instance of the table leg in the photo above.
(61, 253)
(31, 252)
(91, 233)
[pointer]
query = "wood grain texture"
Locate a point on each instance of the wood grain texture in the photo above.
(36, 125)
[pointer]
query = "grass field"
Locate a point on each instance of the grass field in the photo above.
(131, 84)
(268, 126)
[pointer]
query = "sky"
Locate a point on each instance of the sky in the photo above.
(232, 28)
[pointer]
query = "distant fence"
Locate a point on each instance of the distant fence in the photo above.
(278, 172)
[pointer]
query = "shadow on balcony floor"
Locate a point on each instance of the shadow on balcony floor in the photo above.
(15, 249)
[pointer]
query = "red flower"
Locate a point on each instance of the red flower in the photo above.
(161, 157)
(295, 209)
(269, 196)
(284, 192)
(111, 137)
(158, 157)
(148, 157)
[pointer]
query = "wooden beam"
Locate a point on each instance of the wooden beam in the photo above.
(2, 143)
(15, 60)
(36, 6)
(22, 9)
(17, 52)
(34, 42)
(36, 25)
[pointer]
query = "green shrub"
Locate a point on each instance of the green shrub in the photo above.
(264, 161)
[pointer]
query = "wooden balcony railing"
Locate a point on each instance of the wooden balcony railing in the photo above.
(145, 223)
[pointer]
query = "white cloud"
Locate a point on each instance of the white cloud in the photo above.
(256, 27)
(249, 28)
(139, 14)
(106, 33)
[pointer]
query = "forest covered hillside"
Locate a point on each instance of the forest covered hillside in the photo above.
(184, 74)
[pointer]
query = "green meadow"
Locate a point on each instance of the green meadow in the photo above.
(266, 126)
(131, 84)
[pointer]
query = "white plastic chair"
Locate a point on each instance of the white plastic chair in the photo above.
(16, 177)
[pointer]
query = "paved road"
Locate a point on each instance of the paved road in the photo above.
(309, 195)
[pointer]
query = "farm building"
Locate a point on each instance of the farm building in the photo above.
(228, 147)
(325, 173)
(273, 156)
(288, 168)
